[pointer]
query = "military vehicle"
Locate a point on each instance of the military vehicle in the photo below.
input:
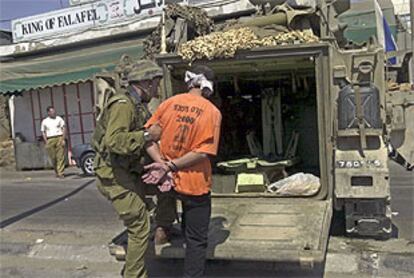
(311, 108)
(338, 142)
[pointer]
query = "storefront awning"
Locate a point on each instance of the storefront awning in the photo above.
(64, 68)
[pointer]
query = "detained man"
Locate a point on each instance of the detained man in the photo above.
(190, 129)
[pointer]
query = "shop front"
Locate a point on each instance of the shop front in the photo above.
(53, 64)
(62, 80)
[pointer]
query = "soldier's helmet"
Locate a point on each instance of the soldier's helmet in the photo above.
(144, 70)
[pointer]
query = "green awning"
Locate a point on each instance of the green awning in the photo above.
(65, 67)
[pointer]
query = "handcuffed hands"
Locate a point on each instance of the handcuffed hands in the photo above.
(158, 174)
(168, 183)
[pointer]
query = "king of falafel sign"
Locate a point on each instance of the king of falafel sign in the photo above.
(82, 17)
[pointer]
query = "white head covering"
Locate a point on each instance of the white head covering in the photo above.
(198, 80)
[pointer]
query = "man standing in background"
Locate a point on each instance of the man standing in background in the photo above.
(54, 133)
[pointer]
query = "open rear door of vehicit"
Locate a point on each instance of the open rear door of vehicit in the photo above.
(400, 109)
(264, 229)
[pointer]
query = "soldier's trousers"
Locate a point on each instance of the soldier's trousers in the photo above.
(56, 152)
(132, 210)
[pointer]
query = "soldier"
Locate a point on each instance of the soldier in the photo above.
(53, 132)
(121, 141)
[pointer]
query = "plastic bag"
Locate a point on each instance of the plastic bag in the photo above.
(299, 184)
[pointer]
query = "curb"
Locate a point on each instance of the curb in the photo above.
(370, 263)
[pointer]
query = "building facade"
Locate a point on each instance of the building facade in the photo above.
(51, 63)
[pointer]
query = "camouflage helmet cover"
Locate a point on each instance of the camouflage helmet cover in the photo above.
(144, 70)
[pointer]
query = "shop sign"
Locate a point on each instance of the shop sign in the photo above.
(79, 2)
(82, 17)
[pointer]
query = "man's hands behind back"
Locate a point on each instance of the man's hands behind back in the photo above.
(158, 174)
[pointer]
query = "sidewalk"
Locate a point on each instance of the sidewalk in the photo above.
(11, 174)
(69, 238)
(349, 257)
(341, 261)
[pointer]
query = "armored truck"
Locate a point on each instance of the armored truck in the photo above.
(305, 135)
(333, 100)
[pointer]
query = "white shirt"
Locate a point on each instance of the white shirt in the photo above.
(53, 127)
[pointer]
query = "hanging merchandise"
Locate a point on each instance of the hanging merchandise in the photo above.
(254, 145)
(293, 82)
(272, 124)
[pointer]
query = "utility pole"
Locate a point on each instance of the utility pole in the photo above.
(412, 38)
(412, 20)
(163, 35)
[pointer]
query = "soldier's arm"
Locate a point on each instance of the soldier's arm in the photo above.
(118, 139)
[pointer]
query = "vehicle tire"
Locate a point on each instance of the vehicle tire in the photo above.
(338, 223)
(87, 162)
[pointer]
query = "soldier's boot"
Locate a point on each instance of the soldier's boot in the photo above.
(118, 251)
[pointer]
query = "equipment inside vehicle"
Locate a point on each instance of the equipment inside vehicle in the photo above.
(269, 125)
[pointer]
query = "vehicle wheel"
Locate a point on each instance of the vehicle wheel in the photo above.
(338, 223)
(87, 164)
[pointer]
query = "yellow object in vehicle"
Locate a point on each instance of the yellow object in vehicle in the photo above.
(250, 182)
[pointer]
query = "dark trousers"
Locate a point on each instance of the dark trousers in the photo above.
(166, 210)
(195, 222)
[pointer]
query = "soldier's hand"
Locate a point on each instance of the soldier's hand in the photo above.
(156, 172)
(62, 142)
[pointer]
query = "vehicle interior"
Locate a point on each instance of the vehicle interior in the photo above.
(270, 195)
(269, 123)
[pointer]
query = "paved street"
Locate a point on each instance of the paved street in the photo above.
(60, 228)
(402, 193)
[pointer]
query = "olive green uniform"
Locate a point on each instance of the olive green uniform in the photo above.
(119, 139)
(56, 151)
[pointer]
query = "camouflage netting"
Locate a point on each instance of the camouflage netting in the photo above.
(225, 44)
(196, 18)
